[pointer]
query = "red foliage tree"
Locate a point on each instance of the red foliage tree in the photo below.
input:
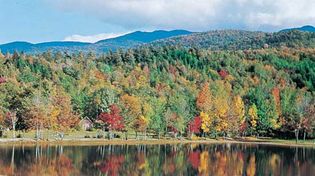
(194, 125)
(113, 120)
(2, 80)
(223, 74)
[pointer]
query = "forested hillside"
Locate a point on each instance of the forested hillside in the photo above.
(238, 40)
(265, 92)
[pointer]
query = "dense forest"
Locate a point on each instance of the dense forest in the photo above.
(239, 39)
(160, 90)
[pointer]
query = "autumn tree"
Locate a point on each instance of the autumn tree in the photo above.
(308, 123)
(141, 124)
(179, 106)
(203, 101)
(173, 122)
(113, 120)
(2, 118)
(144, 120)
(276, 95)
(221, 100)
(62, 117)
(292, 105)
(205, 122)
(12, 120)
(99, 102)
(2, 80)
(157, 122)
(252, 118)
(194, 125)
(236, 116)
(39, 108)
(132, 110)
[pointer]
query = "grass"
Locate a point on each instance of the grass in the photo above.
(97, 138)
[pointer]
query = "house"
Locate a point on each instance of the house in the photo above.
(86, 124)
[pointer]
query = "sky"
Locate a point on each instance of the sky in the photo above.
(92, 20)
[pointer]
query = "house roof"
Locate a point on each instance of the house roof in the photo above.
(86, 119)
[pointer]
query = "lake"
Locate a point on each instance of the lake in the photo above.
(181, 159)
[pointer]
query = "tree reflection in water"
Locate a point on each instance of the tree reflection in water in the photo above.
(185, 159)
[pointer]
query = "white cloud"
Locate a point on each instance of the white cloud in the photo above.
(92, 38)
(195, 14)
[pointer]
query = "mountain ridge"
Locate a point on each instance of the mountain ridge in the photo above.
(241, 39)
(215, 40)
(306, 28)
(125, 41)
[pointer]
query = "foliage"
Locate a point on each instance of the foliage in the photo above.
(195, 125)
(113, 120)
(165, 89)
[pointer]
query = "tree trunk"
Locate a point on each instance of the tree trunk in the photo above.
(37, 132)
(296, 135)
(136, 135)
(13, 126)
(109, 134)
(145, 134)
(40, 131)
(13, 120)
(304, 135)
(126, 135)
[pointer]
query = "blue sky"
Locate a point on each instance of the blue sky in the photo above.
(37, 21)
(92, 20)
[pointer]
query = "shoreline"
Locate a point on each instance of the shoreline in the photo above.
(96, 142)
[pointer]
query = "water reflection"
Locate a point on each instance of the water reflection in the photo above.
(225, 159)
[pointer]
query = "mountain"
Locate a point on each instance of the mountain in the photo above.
(239, 39)
(19, 46)
(214, 40)
(40, 47)
(146, 37)
(125, 41)
(135, 39)
(307, 28)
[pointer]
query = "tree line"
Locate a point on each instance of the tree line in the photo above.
(185, 91)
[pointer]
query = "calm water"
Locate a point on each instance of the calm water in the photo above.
(186, 159)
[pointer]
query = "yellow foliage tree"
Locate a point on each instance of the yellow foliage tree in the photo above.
(252, 114)
(239, 108)
(142, 123)
(221, 105)
(205, 122)
(132, 104)
(133, 110)
(236, 114)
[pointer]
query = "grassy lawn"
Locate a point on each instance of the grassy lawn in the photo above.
(53, 135)
(98, 137)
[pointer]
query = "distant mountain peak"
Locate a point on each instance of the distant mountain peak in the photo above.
(306, 28)
(146, 37)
